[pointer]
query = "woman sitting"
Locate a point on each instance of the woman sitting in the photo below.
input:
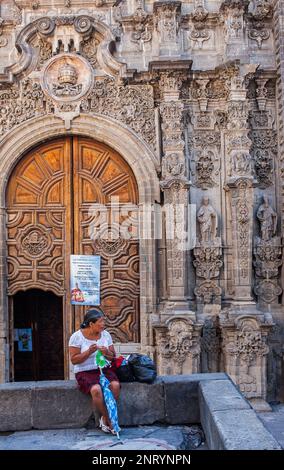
(83, 344)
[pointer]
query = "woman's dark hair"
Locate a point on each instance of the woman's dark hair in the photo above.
(92, 315)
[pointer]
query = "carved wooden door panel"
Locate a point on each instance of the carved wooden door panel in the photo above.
(102, 177)
(39, 219)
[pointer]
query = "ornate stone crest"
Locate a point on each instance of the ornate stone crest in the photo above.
(67, 77)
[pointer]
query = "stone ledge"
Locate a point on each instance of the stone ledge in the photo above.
(228, 421)
(211, 399)
(59, 404)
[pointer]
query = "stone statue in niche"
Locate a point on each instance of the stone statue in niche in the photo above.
(268, 220)
(208, 222)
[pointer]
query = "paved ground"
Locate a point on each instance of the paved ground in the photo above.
(137, 438)
(274, 422)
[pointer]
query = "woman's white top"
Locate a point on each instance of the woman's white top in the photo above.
(78, 340)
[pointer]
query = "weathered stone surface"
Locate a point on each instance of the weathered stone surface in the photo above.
(154, 437)
(181, 396)
(141, 403)
(59, 404)
(240, 430)
(15, 406)
(221, 395)
(228, 421)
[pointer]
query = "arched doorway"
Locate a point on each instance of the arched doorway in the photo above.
(49, 200)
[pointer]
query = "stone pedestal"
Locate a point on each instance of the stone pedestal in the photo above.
(244, 333)
(177, 344)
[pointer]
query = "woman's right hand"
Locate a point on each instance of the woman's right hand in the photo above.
(93, 348)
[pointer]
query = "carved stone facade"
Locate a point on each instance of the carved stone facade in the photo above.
(186, 93)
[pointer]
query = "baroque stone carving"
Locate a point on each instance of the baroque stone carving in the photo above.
(262, 9)
(178, 346)
(233, 17)
(268, 258)
(208, 261)
(242, 205)
(168, 20)
(205, 162)
(210, 346)
(142, 25)
(205, 169)
(173, 165)
(267, 253)
(237, 115)
(89, 49)
(208, 222)
(244, 342)
(259, 34)
(199, 35)
(264, 151)
(130, 104)
(67, 77)
(208, 256)
(21, 104)
(208, 292)
(268, 220)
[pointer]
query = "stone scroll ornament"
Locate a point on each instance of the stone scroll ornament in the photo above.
(267, 255)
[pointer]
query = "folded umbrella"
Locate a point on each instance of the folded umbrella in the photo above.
(110, 403)
(109, 399)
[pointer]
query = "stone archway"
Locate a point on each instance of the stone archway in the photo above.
(142, 162)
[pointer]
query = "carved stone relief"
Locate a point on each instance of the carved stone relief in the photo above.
(178, 346)
(264, 151)
(208, 256)
(244, 343)
(267, 253)
(67, 77)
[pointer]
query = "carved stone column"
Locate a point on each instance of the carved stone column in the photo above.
(175, 186)
(245, 350)
(240, 184)
(178, 346)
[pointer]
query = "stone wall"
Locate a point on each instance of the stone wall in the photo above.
(199, 85)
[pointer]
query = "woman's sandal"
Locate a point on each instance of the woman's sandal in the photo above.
(103, 426)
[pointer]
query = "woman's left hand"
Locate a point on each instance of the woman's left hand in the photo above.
(103, 350)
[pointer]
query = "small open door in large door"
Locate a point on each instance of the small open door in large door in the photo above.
(38, 336)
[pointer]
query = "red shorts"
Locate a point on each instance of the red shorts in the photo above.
(86, 379)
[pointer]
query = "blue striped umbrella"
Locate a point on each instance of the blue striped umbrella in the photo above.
(110, 403)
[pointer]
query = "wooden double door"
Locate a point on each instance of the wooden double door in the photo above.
(71, 196)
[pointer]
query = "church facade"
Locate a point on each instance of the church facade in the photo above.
(149, 133)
